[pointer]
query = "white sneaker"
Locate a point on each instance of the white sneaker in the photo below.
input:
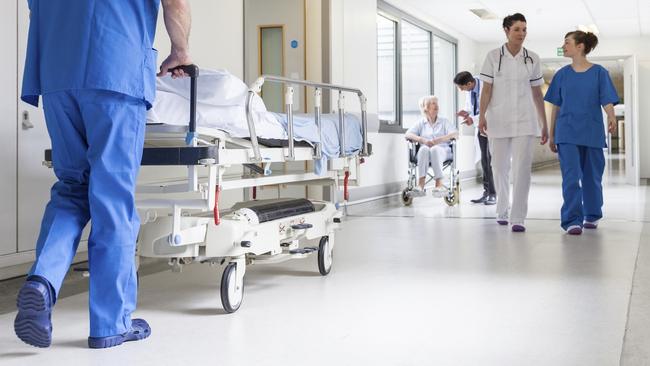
(418, 192)
(439, 192)
(574, 230)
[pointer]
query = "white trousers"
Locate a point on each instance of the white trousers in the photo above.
(434, 156)
(518, 152)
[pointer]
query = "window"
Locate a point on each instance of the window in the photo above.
(416, 71)
(444, 70)
(386, 69)
(414, 59)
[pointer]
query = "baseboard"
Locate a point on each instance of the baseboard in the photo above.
(18, 264)
(365, 194)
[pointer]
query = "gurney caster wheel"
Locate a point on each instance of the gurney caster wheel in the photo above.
(324, 256)
(231, 293)
(407, 199)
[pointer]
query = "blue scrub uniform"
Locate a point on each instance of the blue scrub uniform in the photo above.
(93, 63)
(580, 139)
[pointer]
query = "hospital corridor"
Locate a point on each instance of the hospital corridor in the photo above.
(325, 182)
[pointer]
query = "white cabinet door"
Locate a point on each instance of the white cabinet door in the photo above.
(8, 128)
(34, 180)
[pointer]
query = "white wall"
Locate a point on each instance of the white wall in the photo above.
(287, 13)
(354, 63)
(216, 38)
(644, 115)
(8, 132)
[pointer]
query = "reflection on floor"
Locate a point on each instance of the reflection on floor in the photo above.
(420, 285)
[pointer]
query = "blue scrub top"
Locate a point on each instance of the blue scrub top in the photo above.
(91, 44)
(580, 96)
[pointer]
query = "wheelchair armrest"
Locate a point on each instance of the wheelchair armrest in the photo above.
(413, 148)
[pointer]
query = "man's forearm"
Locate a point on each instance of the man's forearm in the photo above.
(178, 21)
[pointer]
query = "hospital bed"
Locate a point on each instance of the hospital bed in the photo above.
(181, 218)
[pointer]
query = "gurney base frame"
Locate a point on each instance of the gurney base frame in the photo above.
(239, 243)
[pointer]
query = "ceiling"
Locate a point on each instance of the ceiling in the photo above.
(547, 19)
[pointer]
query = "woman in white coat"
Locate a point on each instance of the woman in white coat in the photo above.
(512, 114)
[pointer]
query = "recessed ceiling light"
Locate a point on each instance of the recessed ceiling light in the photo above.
(484, 14)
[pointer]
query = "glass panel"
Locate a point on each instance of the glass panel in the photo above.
(386, 69)
(271, 57)
(416, 71)
(444, 69)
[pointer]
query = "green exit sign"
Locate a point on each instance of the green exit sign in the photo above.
(560, 51)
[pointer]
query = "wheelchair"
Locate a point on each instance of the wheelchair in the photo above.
(452, 196)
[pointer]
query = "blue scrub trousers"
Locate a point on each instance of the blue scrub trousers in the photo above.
(97, 140)
(582, 189)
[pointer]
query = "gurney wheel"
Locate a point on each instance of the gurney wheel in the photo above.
(324, 256)
(231, 295)
(407, 199)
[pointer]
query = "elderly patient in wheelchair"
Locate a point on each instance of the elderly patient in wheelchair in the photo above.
(434, 134)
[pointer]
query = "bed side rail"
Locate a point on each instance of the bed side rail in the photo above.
(256, 87)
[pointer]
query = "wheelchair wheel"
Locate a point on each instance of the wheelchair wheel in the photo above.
(407, 199)
(452, 198)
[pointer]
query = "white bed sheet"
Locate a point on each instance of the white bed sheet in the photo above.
(221, 104)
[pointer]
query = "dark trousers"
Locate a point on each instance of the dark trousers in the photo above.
(486, 158)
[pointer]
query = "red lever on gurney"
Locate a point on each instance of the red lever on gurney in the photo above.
(346, 194)
(217, 219)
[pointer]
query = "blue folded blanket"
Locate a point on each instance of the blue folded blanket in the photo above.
(305, 129)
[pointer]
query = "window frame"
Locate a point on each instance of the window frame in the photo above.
(392, 13)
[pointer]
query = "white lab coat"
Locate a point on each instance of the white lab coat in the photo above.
(468, 108)
(511, 111)
(512, 125)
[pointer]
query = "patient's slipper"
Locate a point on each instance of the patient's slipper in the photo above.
(140, 329)
(33, 323)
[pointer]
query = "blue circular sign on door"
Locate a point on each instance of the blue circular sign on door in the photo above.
(294, 44)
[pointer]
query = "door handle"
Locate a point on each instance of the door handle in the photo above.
(27, 124)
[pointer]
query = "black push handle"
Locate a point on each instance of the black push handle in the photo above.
(193, 72)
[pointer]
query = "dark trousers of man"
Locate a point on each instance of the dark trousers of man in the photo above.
(488, 181)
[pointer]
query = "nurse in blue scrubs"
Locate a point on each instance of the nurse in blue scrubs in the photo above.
(93, 63)
(577, 92)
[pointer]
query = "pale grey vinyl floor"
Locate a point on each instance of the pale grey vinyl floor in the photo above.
(420, 285)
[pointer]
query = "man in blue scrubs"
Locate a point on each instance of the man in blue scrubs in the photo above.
(93, 63)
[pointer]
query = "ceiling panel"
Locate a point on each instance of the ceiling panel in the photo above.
(619, 27)
(547, 20)
(604, 9)
(644, 17)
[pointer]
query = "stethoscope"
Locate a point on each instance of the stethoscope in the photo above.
(526, 58)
